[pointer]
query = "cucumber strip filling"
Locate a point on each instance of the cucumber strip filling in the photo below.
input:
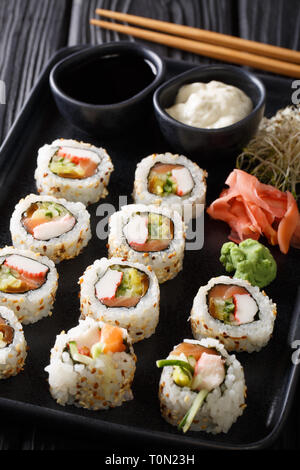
(175, 362)
(76, 356)
(188, 418)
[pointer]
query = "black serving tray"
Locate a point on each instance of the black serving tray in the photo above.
(270, 374)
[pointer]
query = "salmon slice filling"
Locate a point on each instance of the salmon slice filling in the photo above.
(165, 179)
(146, 232)
(122, 286)
(74, 163)
(192, 349)
(6, 333)
(46, 220)
(231, 304)
(19, 274)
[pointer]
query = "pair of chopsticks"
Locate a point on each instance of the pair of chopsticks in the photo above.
(207, 43)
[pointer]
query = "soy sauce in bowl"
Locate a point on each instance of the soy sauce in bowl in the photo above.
(111, 79)
(107, 89)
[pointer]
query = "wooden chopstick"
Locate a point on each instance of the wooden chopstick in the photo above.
(208, 50)
(211, 37)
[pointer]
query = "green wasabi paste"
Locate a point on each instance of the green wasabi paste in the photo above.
(250, 260)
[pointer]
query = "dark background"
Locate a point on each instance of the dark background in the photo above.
(31, 31)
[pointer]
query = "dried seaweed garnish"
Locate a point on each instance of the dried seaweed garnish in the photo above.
(273, 155)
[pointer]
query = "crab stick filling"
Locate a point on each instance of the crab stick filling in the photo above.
(46, 220)
(6, 333)
(19, 274)
(165, 179)
(96, 341)
(209, 372)
(76, 163)
(149, 232)
(231, 304)
(122, 286)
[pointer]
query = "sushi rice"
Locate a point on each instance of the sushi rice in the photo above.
(222, 406)
(166, 263)
(86, 190)
(194, 201)
(66, 246)
(12, 356)
(140, 320)
(31, 306)
(103, 384)
(245, 337)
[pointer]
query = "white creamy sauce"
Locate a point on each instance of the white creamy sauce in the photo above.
(210, 105)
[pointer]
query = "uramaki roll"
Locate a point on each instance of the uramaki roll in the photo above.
(76, 171)
(53, 227)
(92, 366)
(235, 312)
(171, 181)
(121, 293)
(28, 283)
(202, 387)
(151, 235)
(13, 346)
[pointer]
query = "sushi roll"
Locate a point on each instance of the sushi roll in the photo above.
(53, 227)
(121, 293)
(150, 235)
(171, 181)
(92, 366)
(28, 284)
(235, 312)
(76, 171)
(202, 387)
(13, 347)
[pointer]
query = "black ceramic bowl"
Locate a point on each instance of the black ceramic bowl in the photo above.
(205, 145)
(107, 88)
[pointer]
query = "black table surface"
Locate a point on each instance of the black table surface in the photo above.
(31, 31)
